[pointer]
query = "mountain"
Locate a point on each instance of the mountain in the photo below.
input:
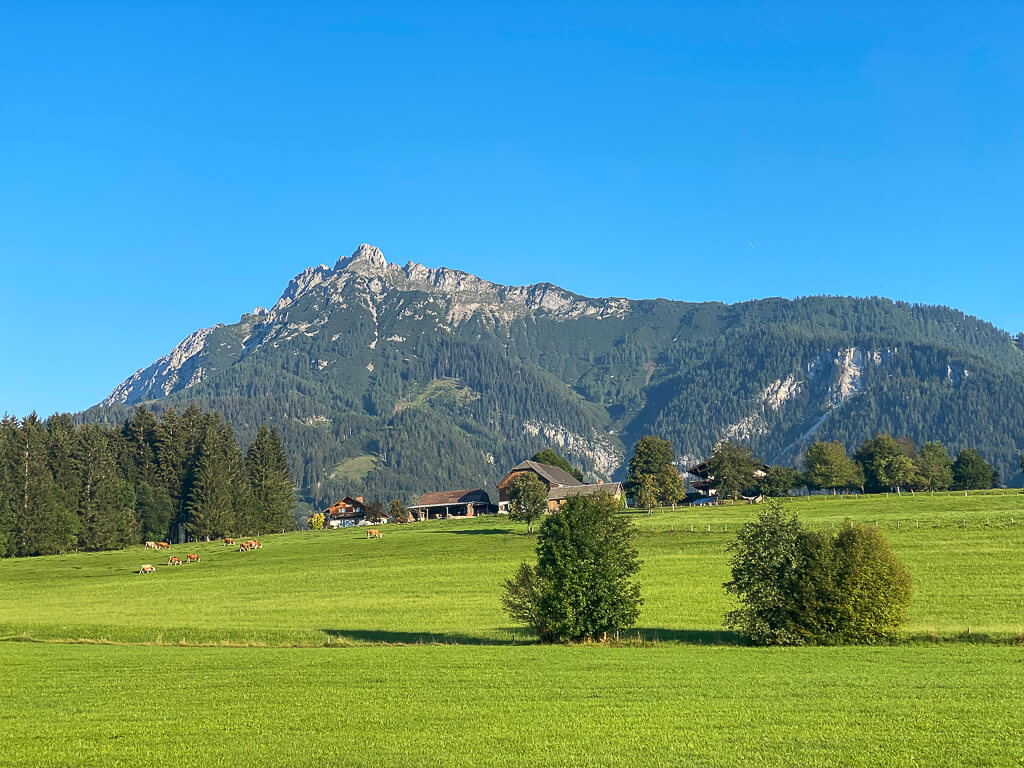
(393, 380)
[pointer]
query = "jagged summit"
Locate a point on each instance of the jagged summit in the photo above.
(366, 257)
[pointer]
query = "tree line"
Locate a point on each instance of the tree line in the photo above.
(883, 463)
(67, 486)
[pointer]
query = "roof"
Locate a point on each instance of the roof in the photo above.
(565, 491)
(445, 498)
(554, 475)
(338, 509)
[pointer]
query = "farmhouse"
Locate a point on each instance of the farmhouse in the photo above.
(560, 484)
(342, 514)
(465, 503)
(701, 480)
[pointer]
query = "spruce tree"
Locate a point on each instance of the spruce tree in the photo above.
(67, 482)
(100, 506)
(140, 436)
(270, 481)
(36, 518)
(215, 488)
(8, 434)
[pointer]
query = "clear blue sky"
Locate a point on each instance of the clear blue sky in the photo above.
(167, 166)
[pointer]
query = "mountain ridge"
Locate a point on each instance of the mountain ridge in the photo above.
(532, 365)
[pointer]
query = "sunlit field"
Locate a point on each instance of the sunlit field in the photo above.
(325, 648)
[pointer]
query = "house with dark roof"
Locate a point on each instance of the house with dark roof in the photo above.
(560, 484)
(464, 503)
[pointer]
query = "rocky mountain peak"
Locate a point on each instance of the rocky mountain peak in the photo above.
(366, 259)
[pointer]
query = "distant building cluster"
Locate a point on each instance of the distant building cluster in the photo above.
(473, 502)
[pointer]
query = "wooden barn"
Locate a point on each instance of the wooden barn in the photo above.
(464, 503)
(560, 484)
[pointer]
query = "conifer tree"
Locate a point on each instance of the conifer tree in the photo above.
(100, 507)
(215, 487)
(140, 436)
(8, 433)
(36, 519)
(270, 481)
(67, 481)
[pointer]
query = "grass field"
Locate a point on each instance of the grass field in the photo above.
(441, 580)
(913, 705)
(465, 688)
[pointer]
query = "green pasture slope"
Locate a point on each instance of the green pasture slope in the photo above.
(422, 668)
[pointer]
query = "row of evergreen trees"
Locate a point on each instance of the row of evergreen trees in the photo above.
(66, 486)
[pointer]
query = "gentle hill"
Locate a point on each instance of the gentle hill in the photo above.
(441, 580)
(445, 380)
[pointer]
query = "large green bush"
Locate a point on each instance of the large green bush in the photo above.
(582, 587)
(798, 586)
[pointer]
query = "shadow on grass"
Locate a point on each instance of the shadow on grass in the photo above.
(683, 636)
(522, 636)
(476, 532)
(386, 637)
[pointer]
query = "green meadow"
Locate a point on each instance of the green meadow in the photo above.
(328, 648)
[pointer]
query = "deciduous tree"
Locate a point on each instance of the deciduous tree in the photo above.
(528, 499)
(733, 469)
(972, 472)
(582, 587)
(654, 458)
(826, 465)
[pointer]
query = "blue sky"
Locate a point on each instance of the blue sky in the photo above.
(167, 166)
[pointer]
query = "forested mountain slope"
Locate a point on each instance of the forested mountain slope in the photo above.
(391, 381)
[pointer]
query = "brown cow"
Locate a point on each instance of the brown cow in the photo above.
(245, 546)
(191, 557)
(150, 545)
(162, 545)
(147, 569)
(229, 542)
(172, 560)
(256, 544)
(373, 533)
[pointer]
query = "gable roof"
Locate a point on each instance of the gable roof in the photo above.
(444, 498)
(347, 507)
(554, 475)
(565, 491)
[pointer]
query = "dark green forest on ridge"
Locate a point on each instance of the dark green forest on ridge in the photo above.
(376, 390)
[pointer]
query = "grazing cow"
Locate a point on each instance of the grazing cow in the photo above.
(172, 560)
(229, 542)
(147, 569)
(162, 545)
(150, 545)
(373, 533)
(191, 557)
(245, 546)
(256, 544)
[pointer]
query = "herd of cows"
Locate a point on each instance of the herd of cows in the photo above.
(192, 557)
(245, 546)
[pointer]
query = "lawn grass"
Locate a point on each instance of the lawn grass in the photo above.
(668, 705)
(440, 581)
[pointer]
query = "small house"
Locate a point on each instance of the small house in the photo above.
(347, 512)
